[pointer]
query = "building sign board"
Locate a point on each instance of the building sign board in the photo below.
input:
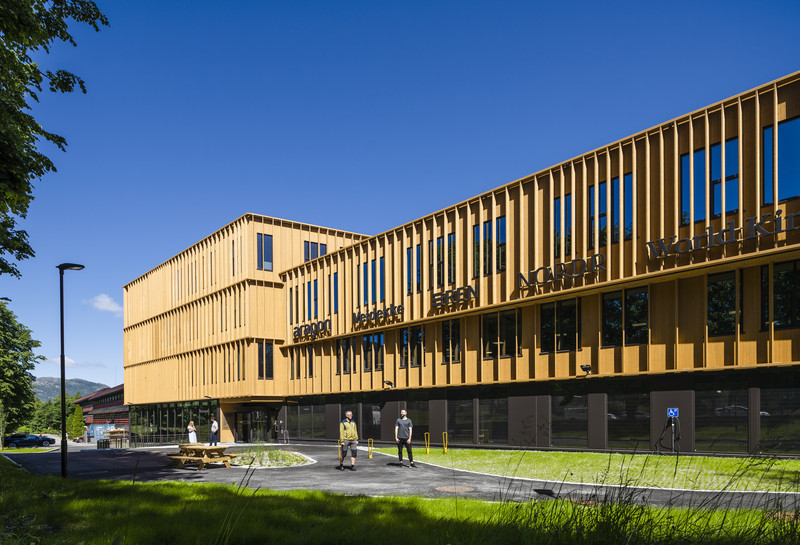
(454, 297)
(313, 329)
(361, 318)
(574, 269)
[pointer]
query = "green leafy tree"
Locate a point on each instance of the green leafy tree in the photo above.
(75, 422)
(28, 27)
(17, 360)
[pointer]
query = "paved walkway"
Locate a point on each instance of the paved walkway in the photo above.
(379, 476)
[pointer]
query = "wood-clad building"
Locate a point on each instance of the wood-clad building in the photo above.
(573, 308)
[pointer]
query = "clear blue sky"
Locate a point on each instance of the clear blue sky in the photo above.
(350, 114)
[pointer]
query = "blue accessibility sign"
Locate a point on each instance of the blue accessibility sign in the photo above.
(672, 412)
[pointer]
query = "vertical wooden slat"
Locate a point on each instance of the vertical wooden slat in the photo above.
(740, 136)
(707, 180)
(676, 176)
(691, 176)
(723, 195)
(562, 220)
(621, 204)
(775, 157)
(596, 225)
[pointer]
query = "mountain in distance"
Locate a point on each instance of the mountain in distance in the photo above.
(47, 388)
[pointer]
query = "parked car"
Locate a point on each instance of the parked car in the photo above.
(27, 440)
(636, 415)
(736, 410)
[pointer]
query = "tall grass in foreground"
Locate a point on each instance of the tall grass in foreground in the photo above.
(43, 509)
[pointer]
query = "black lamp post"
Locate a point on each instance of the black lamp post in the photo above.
(61, 268)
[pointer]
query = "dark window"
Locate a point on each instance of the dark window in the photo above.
(408, 271)
(628, 198)
(501, 334)
(566, 324)
(374, 282)
(264, 252)
(366, 283)
(310, 351)
(615, 225)
(731, 177)
(440, 262)
(557, 227)
(786, 294)
(265, 361)
(764, 297)
(598, 223)
(308, 300)
(722, 304)
(612, 319)
(366, 347)
(547, 319)
(336, 292)
(633, 314)
(377, 345)
(451, 341)
(291, 299)
(306, 251)
(788, 162)
(291, 364)
(501, 244)
(430, 265)
(338, 356)
(383, 279)
(316, 306)
(636, 316)
(451, 258)
(323, 249)
(314, 250)
(413, 346)
(476, 251)
(419, 268)
(487, 247)
(346, 356)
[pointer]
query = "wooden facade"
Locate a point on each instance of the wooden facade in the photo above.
(659, 216)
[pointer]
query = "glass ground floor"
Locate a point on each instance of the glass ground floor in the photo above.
(736, 411)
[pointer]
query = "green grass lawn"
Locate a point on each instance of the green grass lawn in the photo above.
(47, 509)
(694, 472)
(25, 450)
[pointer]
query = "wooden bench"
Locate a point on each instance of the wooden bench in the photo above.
(183, 458)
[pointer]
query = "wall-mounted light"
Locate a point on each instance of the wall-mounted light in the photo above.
(586, 368)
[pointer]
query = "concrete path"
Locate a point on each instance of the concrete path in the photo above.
(380, 476)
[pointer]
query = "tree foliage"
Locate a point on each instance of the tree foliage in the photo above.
(45, 416)
(17, 360)
(28, 27)
(75, 422)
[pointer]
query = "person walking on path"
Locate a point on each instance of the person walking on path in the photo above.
(348, 437)
(192, 432)
(402, 436)
(214, 429)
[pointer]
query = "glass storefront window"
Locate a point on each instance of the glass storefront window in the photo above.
(569, 425)
(493, 421)
(370, 421)
(318, 422)
(628, 419)
(780, 425)
(721, 420)
(418, 413)
(304, 422)
(460, 421)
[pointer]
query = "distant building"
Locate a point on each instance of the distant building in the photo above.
(105, 407)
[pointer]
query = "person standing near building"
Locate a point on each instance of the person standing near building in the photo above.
(402, 436)
(192, 432)
(214, 429)
(348, 438)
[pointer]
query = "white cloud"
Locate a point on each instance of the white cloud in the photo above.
(105, 303)
(69, 362)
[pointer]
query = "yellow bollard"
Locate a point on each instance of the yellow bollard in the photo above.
(427, 443)
(444, 441)
(370, 448)
(339, 450)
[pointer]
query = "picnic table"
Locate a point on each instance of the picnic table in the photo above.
(200, 454)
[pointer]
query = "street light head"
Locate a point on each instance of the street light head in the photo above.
(69, 267)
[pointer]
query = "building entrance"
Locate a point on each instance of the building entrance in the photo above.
(255, 425)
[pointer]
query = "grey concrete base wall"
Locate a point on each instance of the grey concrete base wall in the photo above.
(683, 400)
(390, 412)
(598, 421)
(753, 420)
(522, 420)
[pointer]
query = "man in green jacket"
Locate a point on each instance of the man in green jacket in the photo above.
(348, 437)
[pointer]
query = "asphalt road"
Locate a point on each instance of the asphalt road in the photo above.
(379, 476)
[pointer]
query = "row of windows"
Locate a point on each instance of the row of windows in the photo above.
(313, 250)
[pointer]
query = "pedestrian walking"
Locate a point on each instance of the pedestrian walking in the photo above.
(348, 438)
(403, 428)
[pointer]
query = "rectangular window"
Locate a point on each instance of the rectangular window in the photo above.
(346, 356)
(374, 282)
(409, 268)
(451, 341)
(615, 225)
(636, 310)
(308, 300)
(338, 356)
(323, 249)
(366, 283)
(592, 223)
(557, 227)
(419, 268)
(291, 314)
(291, 364)
(306, 251)
(430, 265)
(501, 333)
(628, 197)
(476, 251)
(721, 304)
(451, 258)
(489, 335)
(547, 319)
(786, 294)
(383, 279)
(500, 258)
(366, 347)
(413, 346)
(788, 162)
(316, 311)
(336, 293)
(440, 262)
(264, 252)
(487, 247)
(699, 157)
(260, 361)
(310, 360)
(330, 296)
(314, 250)
(764, 297)
(377, 345)
(612, 319)
(297, 361)
(265, 361)
(597, 224)
(731, 181)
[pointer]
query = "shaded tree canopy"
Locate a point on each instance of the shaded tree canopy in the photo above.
(17, 360)
(27, 27)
